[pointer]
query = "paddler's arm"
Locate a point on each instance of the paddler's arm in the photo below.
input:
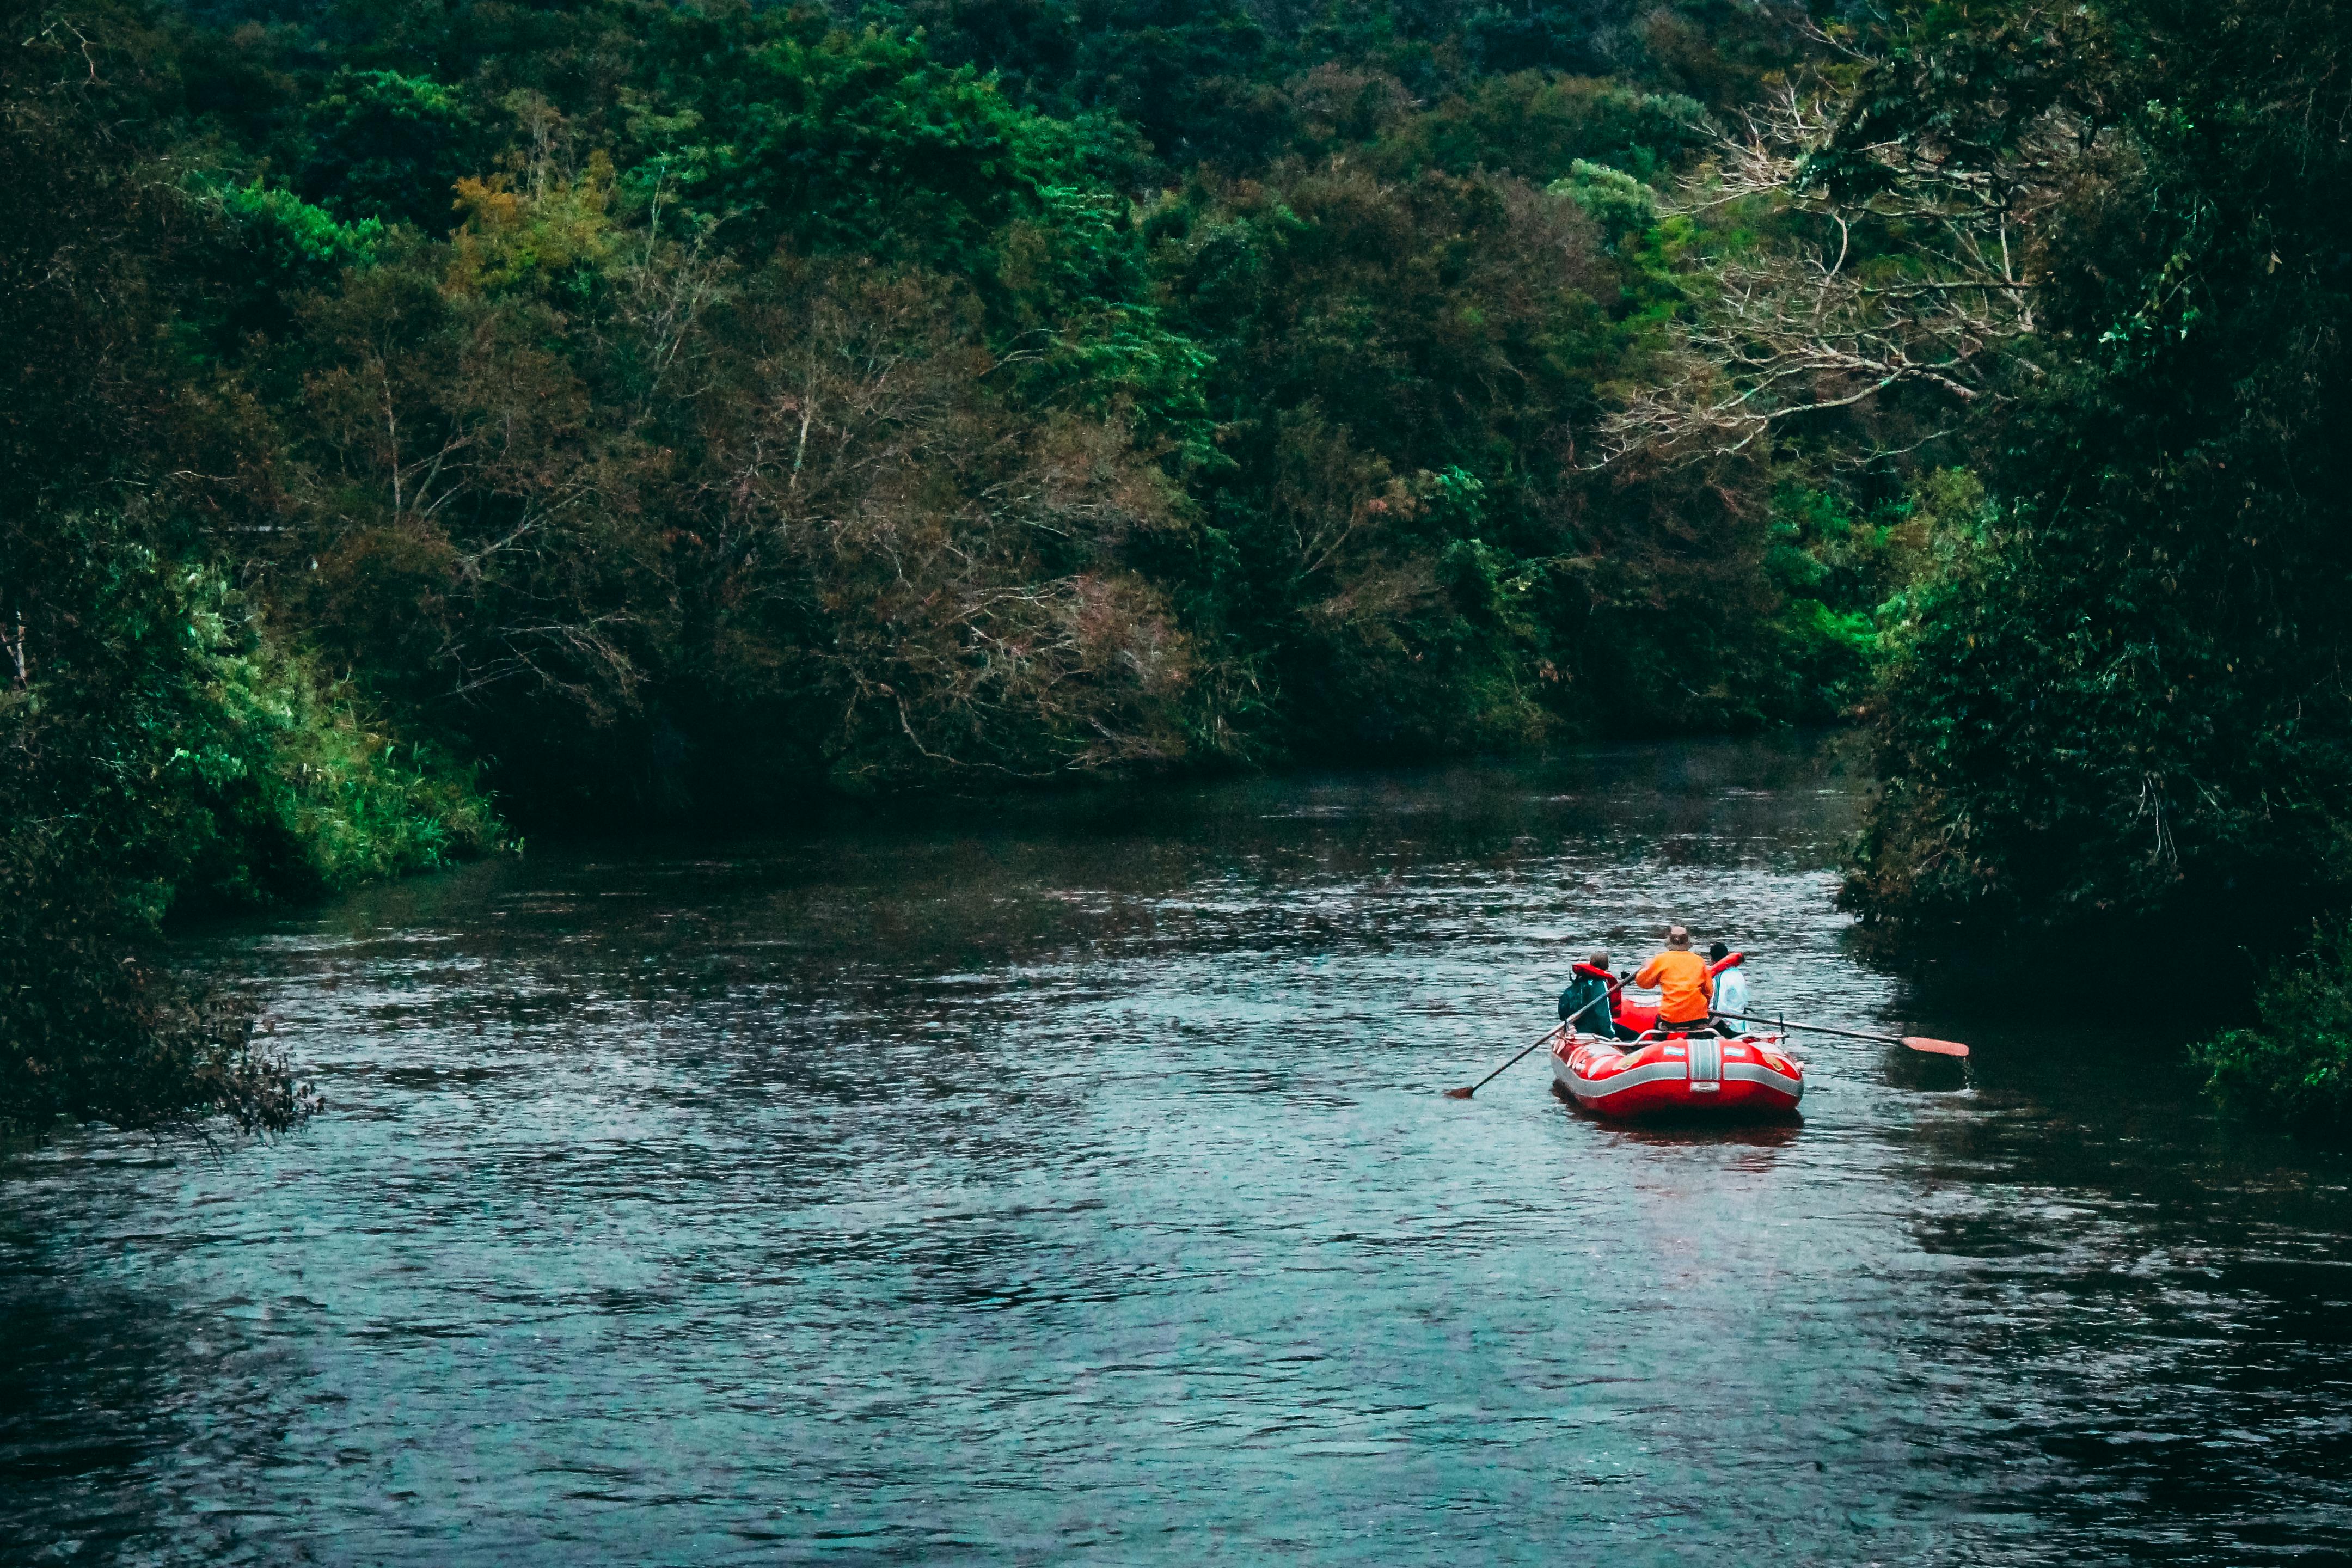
(1648, 979)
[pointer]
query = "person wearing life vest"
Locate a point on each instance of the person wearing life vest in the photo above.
(1593, 990)
(1731, 1004)
(1685, 991)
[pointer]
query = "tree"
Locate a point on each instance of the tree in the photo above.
(155, 743)
(2116, 695)
(387, 146)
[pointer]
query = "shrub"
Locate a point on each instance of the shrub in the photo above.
(93, 1027)
(2296, 1064)
(156, 745)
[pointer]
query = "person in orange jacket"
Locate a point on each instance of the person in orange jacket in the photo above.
(1686, 992)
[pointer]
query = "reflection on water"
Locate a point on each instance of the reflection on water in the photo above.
(1073, 1184)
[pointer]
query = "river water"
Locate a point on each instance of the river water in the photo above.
(1072, 1183)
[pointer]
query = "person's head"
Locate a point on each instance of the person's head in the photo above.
(1599, 959)
(1678, 937)
(1718, 954)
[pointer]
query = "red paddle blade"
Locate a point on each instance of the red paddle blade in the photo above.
(1940, 1048)
(1457, 1094)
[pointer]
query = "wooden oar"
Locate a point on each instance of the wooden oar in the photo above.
(1548, 1034)
(1915, 1042)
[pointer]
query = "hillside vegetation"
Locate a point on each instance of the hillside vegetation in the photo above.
(430, 416)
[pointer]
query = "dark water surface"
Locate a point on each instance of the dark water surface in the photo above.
(1073, 1185)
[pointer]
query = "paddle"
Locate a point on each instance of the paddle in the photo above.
(1915, 1042)
(1564, 1023)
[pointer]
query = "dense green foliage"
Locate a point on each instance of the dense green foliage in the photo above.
(647, 408)
(2112, 702)
(629, 408)
(2118, 697)
(168, 749)
(158, 746)
(2296, 1066)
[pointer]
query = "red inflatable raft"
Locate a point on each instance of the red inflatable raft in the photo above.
(1664, 1071)
(1748, 1076)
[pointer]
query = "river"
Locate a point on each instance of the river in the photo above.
(1071, 1182)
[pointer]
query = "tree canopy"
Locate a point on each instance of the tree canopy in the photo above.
(427, 418)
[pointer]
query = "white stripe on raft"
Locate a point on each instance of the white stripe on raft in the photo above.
(1632, 1078)
(1756, 1072)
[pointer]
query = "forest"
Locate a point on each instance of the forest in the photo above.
(431, 421)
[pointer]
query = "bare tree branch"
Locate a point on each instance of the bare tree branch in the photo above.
(1939, 299)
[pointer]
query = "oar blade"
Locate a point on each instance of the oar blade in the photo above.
(1936, 1047)
(1460, 1093)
